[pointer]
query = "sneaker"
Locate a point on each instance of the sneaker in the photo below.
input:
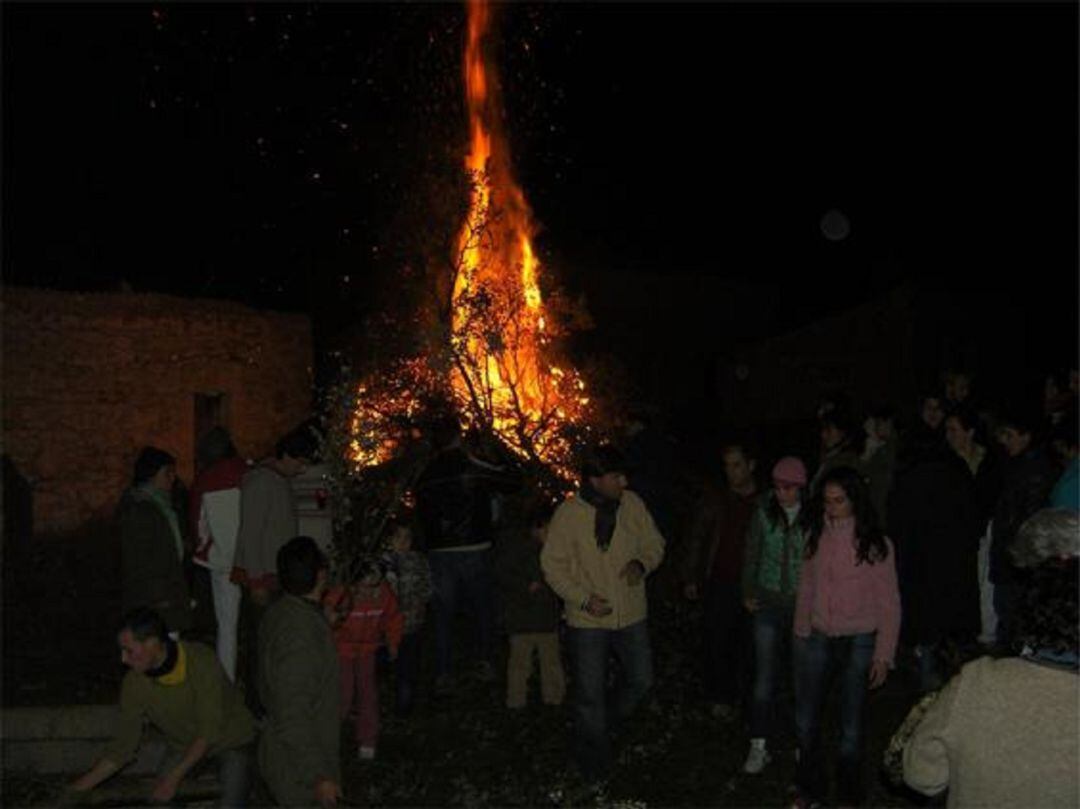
(757, 758)
(366, 753)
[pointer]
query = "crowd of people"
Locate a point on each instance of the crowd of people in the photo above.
(902, 540)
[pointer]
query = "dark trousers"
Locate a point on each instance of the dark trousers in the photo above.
(251, 615)
(726, 651)
(407, 673)
(461, 578)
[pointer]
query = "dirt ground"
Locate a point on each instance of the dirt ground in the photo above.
(61, 600)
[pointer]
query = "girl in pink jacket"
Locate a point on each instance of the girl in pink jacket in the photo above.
(847, 620)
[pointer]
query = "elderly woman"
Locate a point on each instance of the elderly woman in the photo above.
(1006, 732)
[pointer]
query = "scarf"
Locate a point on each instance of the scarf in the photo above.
(173, 668)
(164, 503)
(606, 511)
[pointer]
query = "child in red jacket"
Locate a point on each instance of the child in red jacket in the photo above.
(364, 615)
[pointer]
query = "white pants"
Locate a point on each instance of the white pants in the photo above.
(227, 612)
(986, 592)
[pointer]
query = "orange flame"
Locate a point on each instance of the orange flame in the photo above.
(501, 376)
(502, 363)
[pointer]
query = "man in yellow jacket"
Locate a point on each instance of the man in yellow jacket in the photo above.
(602, 543)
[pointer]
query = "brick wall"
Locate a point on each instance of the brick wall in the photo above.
(90, 378)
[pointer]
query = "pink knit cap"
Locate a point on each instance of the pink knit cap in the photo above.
(789, 470)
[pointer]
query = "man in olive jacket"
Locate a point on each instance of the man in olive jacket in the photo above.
(601, 545)
(299, 755)
(180, 688)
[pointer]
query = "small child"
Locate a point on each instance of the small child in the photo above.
(365, 614)
(531, 614)
(410, 576)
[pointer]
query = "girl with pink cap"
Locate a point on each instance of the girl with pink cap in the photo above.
(770, 577)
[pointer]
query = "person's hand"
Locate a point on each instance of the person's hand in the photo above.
(691, 592)
(260, 596)
(633, 572)
(597, 606)
(535, 587)
(751, 604)
(879, 670)
(165, 789)
(327, 792)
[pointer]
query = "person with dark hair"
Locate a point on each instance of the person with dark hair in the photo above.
(1006, 731)
(410, 576)
(770, 573)
(963, 435)
(1028, 475)
(299, 685)
(530, 612)
(454, 505)
(957, 383)
(934, 521)
(877, 462)
(181, 689)
(268, 520)
(214, 516)
(1066, 491)
(601, 545)
(151, 542)
(847, 618)
(932, 411)
(838, 446)
(711, 571)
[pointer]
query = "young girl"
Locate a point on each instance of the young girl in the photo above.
(847, 619)
(364, 616)
(771, 562)
(410, 577)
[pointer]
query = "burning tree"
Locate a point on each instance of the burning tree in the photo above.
(493, 347)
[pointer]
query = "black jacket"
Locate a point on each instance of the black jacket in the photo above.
(1026, 484)
(453, 499)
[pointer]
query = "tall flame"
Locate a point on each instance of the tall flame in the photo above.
(502, 376)
(503, 363)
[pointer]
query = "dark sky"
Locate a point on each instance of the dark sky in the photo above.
(267, 153)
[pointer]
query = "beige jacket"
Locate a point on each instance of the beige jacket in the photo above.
(576, 568)
(1003, 733)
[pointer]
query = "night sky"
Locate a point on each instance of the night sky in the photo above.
(275, 154)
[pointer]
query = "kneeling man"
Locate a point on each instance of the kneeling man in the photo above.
(180, 688)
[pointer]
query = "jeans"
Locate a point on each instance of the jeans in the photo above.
(817, 659)
(234, 773)
(235, 770)
(461, 578)
(771, 628)
(591, 649)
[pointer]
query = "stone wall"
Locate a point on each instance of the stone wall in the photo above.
(89, 378)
